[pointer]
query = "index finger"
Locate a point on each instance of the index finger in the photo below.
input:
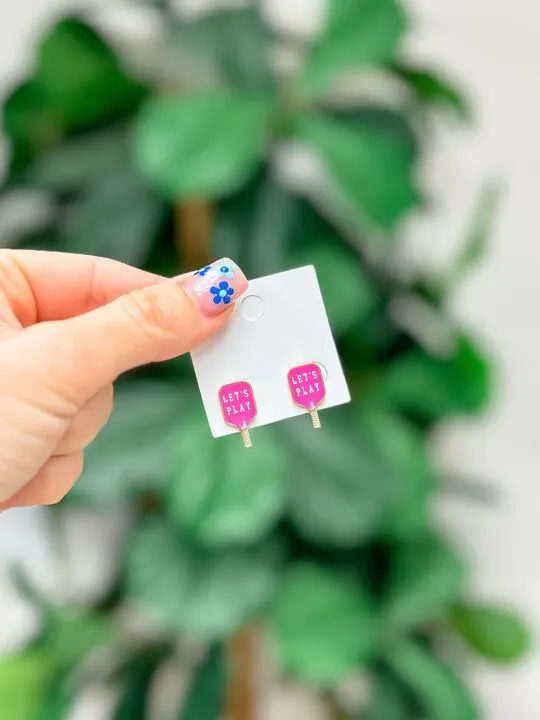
(40, 286)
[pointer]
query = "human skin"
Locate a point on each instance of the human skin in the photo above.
(69, 326)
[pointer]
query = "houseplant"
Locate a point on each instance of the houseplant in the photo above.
(323, 548)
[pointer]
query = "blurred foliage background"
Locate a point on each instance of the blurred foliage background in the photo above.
(318, 553)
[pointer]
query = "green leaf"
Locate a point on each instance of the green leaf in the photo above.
(348, 292)
(358, 33)
(439, 691)
(368, 171)
(24, 681)
(82, 77)
(263, 226)
(113, 214)
(476, 244)
(403, 454)
(382, 119)
(323, 625)
(275, 211)
(78, 82)
(206, 595)
(338, 492)
(368, 473)
(220, 495)
(138, 675)
(227, 46)
(118, 217)
(235, 221)
(29, 123)
(432, 89)
(134, 450)
(207, 693)
(367, 343)
(431, 388)
(255, 226)
(59, 697)
(68, 633)
(424, 577)
(498, 635)
(79, 162)
(205, 144)
(69, 637)
(388, 701)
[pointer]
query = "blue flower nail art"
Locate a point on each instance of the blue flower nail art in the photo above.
(226, 270)
(222, 293)
(202, 272)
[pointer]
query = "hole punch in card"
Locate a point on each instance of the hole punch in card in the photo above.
(279, 325)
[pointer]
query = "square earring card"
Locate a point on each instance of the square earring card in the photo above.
(276, 358)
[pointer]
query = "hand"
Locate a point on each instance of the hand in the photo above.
(69, 325)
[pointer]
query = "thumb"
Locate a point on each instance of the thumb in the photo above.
(155, 323)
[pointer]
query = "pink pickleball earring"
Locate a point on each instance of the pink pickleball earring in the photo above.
(239, 408)
(308, 390)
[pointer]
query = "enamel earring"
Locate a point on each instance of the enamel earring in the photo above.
(308, 390)
(238, 408)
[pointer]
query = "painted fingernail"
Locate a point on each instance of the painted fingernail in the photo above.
(215, 287)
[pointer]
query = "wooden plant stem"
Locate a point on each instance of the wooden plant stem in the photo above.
(193, 233)
(242, 661)
(335, 712)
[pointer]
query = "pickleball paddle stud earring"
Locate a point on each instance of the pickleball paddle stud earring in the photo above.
(308, 390)
(238, 407)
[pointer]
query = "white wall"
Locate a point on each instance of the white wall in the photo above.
(492, 47)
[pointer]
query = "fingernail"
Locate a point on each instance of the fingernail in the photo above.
(217, 286)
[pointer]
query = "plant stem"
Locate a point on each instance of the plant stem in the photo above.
(193, 231)
(242, 658)
(335, 712)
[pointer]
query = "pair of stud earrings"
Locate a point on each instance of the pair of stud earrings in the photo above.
(239, 408)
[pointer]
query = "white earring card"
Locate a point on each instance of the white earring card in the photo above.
(278, 324)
